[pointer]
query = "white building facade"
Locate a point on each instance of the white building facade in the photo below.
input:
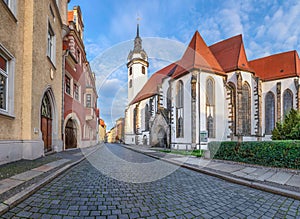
(214, 90)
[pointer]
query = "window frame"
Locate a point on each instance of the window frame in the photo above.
(210, 107)
(10, 77)
(88, 100)
(270, 112)
(51, 44)
(285, 110)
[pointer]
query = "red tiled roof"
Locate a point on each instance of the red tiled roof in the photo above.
(199, 56)
(70, 16)
(231, 54)
(277, 66)
(150, 88)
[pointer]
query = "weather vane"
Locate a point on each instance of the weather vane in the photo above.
(138, 18)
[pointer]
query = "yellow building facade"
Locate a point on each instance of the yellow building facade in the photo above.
(31, 70)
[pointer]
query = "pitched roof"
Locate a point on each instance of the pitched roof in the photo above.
(277, 66)
(150, 88)
(197, 55)
(231, 54)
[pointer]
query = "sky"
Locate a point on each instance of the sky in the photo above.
(166, 27)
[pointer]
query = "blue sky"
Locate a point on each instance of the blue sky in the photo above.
(166, 26)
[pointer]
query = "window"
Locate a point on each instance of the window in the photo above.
(147, 117)
(232, 107)
(169, 100)
(143, 70)
(179, 94)
(287, 101)
(179, 110)
(3, 83)
(135, 120)
(270, 113)
(6, 82)
(130, 83)
(130, 71)
(88, 100)
(246, 110)
(12, 5)
(76, 92)
(68, 85)
(51, 44)
(210, 107)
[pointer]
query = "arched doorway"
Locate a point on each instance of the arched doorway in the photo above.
(71, 134)
(162, 138)
(46, 123)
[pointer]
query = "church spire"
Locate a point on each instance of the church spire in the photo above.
(137, 40)
(138, 30)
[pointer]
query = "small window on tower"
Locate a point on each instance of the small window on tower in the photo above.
(130, 83)
(130, 71)
(143, 70)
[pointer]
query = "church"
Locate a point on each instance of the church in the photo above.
(213, 93)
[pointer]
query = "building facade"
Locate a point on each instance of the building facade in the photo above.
(213, 90)
(102, 131)
(80, 97)
(31, 77)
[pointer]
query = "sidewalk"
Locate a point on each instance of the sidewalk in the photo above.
(281, 181)
(18, 187)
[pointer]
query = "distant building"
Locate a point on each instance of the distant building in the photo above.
(111, 135)
(31, 78)
(211, 89)
(102, 131)
(80, 98)
(120, 130)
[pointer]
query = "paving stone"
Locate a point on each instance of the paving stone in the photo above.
(27, 175)
(294, 181)
(85, 192)
(7, 184)
(280, 177)
(266, 175)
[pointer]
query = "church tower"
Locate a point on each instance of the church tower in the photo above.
(137, 66)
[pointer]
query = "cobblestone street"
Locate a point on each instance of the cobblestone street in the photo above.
(86, 191)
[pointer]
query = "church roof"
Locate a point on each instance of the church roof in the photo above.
(199, 56)
(231, 54)
(277, 66)
(150, 88)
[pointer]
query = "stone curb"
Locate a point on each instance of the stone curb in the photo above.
(252, 184)
(21, 196)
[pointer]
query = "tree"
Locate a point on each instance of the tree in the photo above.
(289, 129)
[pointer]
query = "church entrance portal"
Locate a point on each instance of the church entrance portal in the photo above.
(162, 138)
(46, 123)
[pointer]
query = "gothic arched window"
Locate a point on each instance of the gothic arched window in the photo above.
(246, 109)
(287, 101)
(169, 100)
(210, 107)
(269, 112)
(232, 107)
(179, 94)
(147, 117)
(179, 109)
(135, 120)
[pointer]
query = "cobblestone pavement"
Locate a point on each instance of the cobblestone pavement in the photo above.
(85, 192)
